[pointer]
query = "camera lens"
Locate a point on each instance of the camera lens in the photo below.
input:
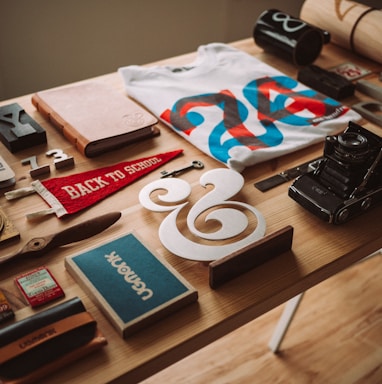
(352, 147)
(352, 141)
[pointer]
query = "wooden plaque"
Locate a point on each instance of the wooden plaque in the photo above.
(252, 256)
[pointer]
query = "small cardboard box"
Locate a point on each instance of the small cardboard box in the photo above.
(132, 286)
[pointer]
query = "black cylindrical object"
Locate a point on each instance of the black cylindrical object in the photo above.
(288, 37)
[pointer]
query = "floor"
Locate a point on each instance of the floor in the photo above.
(336, 337)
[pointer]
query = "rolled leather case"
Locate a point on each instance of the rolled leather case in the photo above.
(40, 344)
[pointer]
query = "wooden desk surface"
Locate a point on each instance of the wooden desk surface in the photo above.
(319, 249)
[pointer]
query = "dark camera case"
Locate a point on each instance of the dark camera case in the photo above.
(38, 345)
(329, 83)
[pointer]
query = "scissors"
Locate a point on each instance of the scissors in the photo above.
(39, 246)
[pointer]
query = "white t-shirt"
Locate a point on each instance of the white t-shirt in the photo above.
(234, 107)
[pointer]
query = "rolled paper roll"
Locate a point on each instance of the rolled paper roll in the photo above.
(352, 25)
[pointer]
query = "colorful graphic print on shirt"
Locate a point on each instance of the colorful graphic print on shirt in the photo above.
(277, 105)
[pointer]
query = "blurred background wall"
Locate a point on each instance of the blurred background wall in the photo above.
(45, 43)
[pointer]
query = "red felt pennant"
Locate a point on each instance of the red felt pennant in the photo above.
(70, 194)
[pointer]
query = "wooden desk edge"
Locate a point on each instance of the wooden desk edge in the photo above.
(230, 324)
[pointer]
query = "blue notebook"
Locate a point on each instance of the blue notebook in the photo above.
(132, 286)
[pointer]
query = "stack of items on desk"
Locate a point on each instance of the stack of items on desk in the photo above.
(356, 27)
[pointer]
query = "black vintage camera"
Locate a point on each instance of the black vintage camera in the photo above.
(348, 179)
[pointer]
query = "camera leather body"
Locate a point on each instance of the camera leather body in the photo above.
(347, 181)
(40, 344)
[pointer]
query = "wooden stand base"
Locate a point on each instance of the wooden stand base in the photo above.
(252, 256)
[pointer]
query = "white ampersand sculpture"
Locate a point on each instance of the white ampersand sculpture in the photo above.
(227, 183)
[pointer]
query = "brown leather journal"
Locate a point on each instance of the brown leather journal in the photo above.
(95, 117)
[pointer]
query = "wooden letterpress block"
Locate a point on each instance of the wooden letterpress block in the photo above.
(18, 130)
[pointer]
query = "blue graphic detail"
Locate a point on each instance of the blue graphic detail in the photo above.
(274, 100)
